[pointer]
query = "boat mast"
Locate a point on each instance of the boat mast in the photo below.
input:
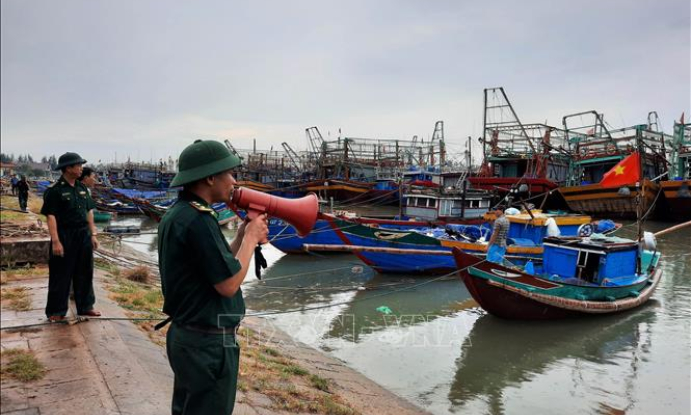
(640, 188)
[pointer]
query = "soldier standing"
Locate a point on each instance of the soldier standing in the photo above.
(23, 193)
(201, 276)
(69, 212)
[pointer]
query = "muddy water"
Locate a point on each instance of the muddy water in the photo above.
(439, 350)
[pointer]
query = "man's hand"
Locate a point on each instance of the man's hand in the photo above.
(257, 230)
(58, 250)
(94, 242)
(241, 229)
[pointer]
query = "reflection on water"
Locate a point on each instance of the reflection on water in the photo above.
(500, 354)
(439, 350)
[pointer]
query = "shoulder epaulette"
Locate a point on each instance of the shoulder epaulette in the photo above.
(201, 207)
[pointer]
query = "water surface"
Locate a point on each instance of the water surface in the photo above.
(442, 352)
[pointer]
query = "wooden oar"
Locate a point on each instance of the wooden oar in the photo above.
(672, 229)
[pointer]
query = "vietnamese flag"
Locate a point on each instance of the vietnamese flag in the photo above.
(627, 171)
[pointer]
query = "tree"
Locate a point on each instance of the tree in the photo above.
(6, 158)
(44, 160)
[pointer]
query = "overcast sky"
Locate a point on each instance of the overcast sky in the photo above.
(146, 78)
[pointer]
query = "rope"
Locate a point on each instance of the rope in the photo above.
(270, 313)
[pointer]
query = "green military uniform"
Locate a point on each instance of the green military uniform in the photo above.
(193, 257)
(70, 205)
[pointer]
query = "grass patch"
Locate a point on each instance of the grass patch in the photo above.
(290, 386)
(22, 273)
(294, 370)
(21, 365)
(141, 301)
(330, 407)
(138, 297)
(107, 266)
(16, 298)
(138, 274)
(319, 383)
(12, 202)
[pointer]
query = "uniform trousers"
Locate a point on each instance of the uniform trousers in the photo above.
(76, 266)
(206, 371)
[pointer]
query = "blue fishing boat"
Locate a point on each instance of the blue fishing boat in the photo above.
(285, 238)
(428, 251)
(580, 276)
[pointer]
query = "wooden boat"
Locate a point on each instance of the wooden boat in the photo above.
(593, 199)
(580, 276)
(100, 216)
(285, 238)
(117, 207)
(149, 210)
(343, 191)
(120, 229)
(413, 251)
(223, 214)
(519, 157)
(599, 149)
(535, 185)
(677, 201)
(444, 206)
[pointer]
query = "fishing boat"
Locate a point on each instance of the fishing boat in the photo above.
(149, 210)
(528, 158)
(117, 207)
(284, 237)
(100, 216)
(597, 150)
(579, 276)
(428, 251)
(446, 199)
(223, 214)
(676, 204)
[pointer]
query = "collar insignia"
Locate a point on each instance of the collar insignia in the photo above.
(201, 207)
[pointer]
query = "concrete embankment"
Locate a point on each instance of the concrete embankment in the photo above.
(112, 366)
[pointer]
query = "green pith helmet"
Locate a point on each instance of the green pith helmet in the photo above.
(69, 159)
(201, 159)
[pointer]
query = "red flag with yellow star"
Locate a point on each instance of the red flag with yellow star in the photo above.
(627, 171)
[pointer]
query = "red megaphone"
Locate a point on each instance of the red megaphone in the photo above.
(300, 213)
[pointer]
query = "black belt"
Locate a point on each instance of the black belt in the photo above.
(199, 328)
(209, 329)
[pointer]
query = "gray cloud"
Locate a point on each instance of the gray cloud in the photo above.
(145, 78)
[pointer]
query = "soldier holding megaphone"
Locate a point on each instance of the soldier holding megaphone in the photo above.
(201, 276)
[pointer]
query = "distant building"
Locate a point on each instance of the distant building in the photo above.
(6, 169)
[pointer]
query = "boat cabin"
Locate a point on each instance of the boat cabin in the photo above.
(601, 261)
(437, 206)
